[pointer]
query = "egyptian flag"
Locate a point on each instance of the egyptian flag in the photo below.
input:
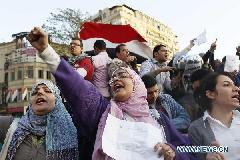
(114, 35)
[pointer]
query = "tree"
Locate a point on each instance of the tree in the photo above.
(65, 24)
(62, 26)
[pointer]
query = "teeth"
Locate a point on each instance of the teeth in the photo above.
(40, 100)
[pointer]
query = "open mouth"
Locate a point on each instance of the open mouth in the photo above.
(236, 97)
(117, 87)
(40, 101)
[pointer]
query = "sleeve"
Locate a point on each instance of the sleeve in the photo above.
(178, 55)
(196, 138)
(51, 58)
(180, 118)
(174, 139)
(86, 101)
(194, 135)
(145, 68)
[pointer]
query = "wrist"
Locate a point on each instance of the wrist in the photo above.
(40, 50)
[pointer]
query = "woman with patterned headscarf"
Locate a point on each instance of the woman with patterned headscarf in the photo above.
(46, 131)
(91, 109)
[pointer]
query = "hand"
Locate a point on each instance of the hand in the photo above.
(131, 59)
(215, 156)
(166, 69)
(38, 39)
(213, 46)
(192, 42)
(238, 50)
(165, 150)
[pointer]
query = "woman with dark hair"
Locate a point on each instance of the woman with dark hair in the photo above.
(218, 97)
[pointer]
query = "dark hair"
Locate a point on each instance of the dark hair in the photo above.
(76, 38)
(208, 83)
(199, 75)
(224, 59)
(157, 48)
(117, 49)
(100, 44)
(149, 81)
(65, 57)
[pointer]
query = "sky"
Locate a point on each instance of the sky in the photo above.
(187, 18)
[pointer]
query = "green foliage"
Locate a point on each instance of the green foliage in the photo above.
(64, 24)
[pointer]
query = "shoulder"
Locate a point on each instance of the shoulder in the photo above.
(165, 96)
(197, 125)
(86, 58)
(147, 62)
(5, 122)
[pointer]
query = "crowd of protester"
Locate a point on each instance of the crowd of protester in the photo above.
(190, 99)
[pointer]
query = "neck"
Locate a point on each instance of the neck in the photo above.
(76, 55)
(101, 51)
(223, 114)
(159, 61)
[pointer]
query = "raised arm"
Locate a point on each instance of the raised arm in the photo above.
(86, 101)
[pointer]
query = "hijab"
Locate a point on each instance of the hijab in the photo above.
(136, 107)
(57, 128)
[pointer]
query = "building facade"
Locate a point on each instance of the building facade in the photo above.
(22, 69)
(154, 31)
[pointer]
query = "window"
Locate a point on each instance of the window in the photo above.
(6, 77)
(48, 75)
(12, 75)
(40, 74)
(28, 94)
(30, 72)
(19, 96)
(20, 73)
(104, 15)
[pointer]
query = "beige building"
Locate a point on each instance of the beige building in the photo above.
(5, 48)
(154, 31)
(22, 69)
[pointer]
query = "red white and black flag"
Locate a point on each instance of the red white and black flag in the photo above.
(114, 35)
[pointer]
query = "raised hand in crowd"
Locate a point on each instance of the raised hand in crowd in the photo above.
(238, 50)
(38, 39)
(131, 59)
(192, 42)
(213, 46)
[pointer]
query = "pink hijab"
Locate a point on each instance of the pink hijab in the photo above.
(136, 107)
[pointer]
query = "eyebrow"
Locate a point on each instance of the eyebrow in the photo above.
(228, 82)
(44, 87)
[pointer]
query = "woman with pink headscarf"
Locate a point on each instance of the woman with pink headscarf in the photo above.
(90, 108)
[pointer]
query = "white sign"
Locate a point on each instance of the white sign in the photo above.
(201, 38)
(124, 140)
(232, 63)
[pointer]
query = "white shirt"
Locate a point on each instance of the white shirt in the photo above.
(227, 136)
(100, 75)
(163, 78)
